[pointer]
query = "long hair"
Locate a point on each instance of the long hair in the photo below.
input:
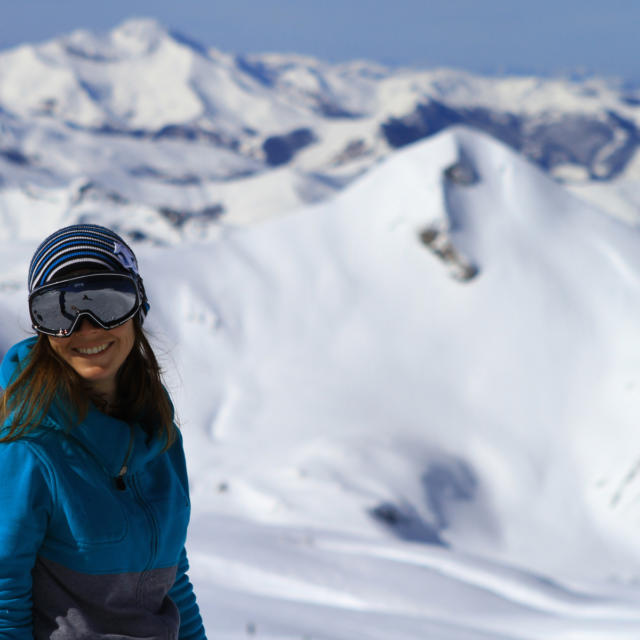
(47, 379)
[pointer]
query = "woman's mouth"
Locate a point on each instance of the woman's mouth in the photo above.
(92, 351)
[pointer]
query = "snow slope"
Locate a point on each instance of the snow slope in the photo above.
(411, 411)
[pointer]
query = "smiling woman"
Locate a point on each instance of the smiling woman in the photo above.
(93, 484)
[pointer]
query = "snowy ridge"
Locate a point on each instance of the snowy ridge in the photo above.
(368, 394)
(378, 444)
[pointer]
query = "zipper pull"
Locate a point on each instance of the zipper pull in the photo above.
(120, 483)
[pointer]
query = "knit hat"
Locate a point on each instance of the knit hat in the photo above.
(87, 247)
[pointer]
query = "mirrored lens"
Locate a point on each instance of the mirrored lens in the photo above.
(108, 299)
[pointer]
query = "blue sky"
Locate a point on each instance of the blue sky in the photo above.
(489, 36)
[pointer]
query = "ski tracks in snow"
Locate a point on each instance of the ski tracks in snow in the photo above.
(447, 595)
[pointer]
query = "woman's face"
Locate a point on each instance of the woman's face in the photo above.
(96, 354)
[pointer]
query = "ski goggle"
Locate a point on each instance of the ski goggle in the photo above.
(107, 299)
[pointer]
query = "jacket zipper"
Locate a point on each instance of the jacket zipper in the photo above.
(151, 518)
(122, 485)
(119, 479)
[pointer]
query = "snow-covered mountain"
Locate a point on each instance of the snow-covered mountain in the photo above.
(410, 409)
(409, 412)
(164, 138)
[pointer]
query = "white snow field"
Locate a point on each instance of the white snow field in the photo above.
(411, 412)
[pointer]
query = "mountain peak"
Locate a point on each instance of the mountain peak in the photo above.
(138, 36)
(135, 37)
(140, 28)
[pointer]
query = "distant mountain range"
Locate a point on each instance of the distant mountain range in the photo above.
(164, 136)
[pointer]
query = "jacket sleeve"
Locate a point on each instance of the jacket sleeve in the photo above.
(191, 627)
(25, 507)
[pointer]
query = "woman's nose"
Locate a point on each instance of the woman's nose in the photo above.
(86, 324)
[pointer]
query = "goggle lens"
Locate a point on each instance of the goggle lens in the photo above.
(107, 299)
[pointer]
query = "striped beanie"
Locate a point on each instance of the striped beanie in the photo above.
(83, 246)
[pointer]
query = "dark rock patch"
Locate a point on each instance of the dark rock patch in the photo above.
(280, 149)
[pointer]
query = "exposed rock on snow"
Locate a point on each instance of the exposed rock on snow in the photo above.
(439, 242)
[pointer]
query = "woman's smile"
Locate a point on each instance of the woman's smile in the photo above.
(92, 351)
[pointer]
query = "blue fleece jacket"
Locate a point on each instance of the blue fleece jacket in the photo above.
(93, 523)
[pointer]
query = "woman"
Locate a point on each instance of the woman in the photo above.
(94, 499)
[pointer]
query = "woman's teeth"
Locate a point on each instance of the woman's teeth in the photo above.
(92, 350)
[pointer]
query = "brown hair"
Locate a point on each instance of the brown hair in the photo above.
(46, 379)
